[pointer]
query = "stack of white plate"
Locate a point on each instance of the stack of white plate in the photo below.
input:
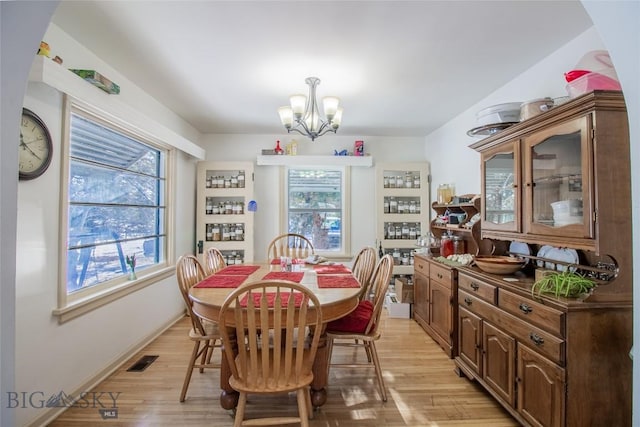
(557, 254)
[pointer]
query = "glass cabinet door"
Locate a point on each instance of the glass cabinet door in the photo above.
(501, 196)
(557, 181)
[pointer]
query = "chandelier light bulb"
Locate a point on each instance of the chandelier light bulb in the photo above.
(298, 104)
(337, 119)
(286, 116)
(330, 104)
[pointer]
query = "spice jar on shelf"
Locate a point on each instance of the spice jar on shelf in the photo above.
(416, 180)
(396, 256)
(444, 194)
(393, 205)
(446, 245)
(408, 179)
(215, 233)
(459, 245)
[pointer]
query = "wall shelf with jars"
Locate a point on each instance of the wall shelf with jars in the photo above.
(402, 214)
(461, 223)
(223, 220)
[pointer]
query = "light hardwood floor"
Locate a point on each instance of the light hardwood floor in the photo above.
(423, 389)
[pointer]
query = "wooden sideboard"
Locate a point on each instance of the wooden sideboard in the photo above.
(549, 361)
(434, 308)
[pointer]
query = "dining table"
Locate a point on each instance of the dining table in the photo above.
(335, 286)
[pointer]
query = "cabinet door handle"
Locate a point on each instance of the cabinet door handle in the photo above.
(439, 276)
(475, 286)
(525, 308)
(537, 340)
(468, 301)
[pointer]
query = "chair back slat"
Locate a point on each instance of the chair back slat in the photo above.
(239, 368)
(270, 321)
(362, 267)
(189, 272)
(380, 282)
(290, 245)
(214, 261)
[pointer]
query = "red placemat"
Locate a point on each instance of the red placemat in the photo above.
(284, 275)
(337, 281)
(271, 296)
(332, 269)
(239, 270)
(220, 281)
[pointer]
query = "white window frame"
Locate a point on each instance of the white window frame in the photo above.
(82, 301)
(345, 251)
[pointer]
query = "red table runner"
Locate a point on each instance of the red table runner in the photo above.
(337, 281)
(238, 270)
(221, 281)
(271, 296)
(332, 269)
(284, 275)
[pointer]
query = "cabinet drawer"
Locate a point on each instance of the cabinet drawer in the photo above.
(421, 266)
(547, 318)
(533, 337)
(478, 288)
(440, 274)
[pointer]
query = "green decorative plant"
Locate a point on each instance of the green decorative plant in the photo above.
(563, 284)
(131, 262)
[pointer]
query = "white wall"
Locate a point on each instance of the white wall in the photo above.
(544, 79)
(266, 225)
(57, 357)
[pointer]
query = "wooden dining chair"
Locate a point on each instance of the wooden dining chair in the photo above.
(282, 365)
(361, 327)
(214, 261)
(290, 245)
(204, 334)
(362, 268)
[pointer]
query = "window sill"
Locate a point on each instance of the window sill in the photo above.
(92, 302)
(276, 160)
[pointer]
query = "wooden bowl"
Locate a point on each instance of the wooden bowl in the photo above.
(499, 264)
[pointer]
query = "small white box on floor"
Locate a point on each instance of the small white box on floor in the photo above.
(398, 309)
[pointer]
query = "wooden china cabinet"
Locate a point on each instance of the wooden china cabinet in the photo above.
(561, 178)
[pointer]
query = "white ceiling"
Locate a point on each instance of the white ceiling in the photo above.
(401, 68)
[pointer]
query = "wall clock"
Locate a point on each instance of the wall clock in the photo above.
(36, 148)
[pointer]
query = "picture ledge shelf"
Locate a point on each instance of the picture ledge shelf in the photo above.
(284, 160)
(44, 70)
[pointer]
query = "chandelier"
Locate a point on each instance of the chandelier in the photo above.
(303, 116)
